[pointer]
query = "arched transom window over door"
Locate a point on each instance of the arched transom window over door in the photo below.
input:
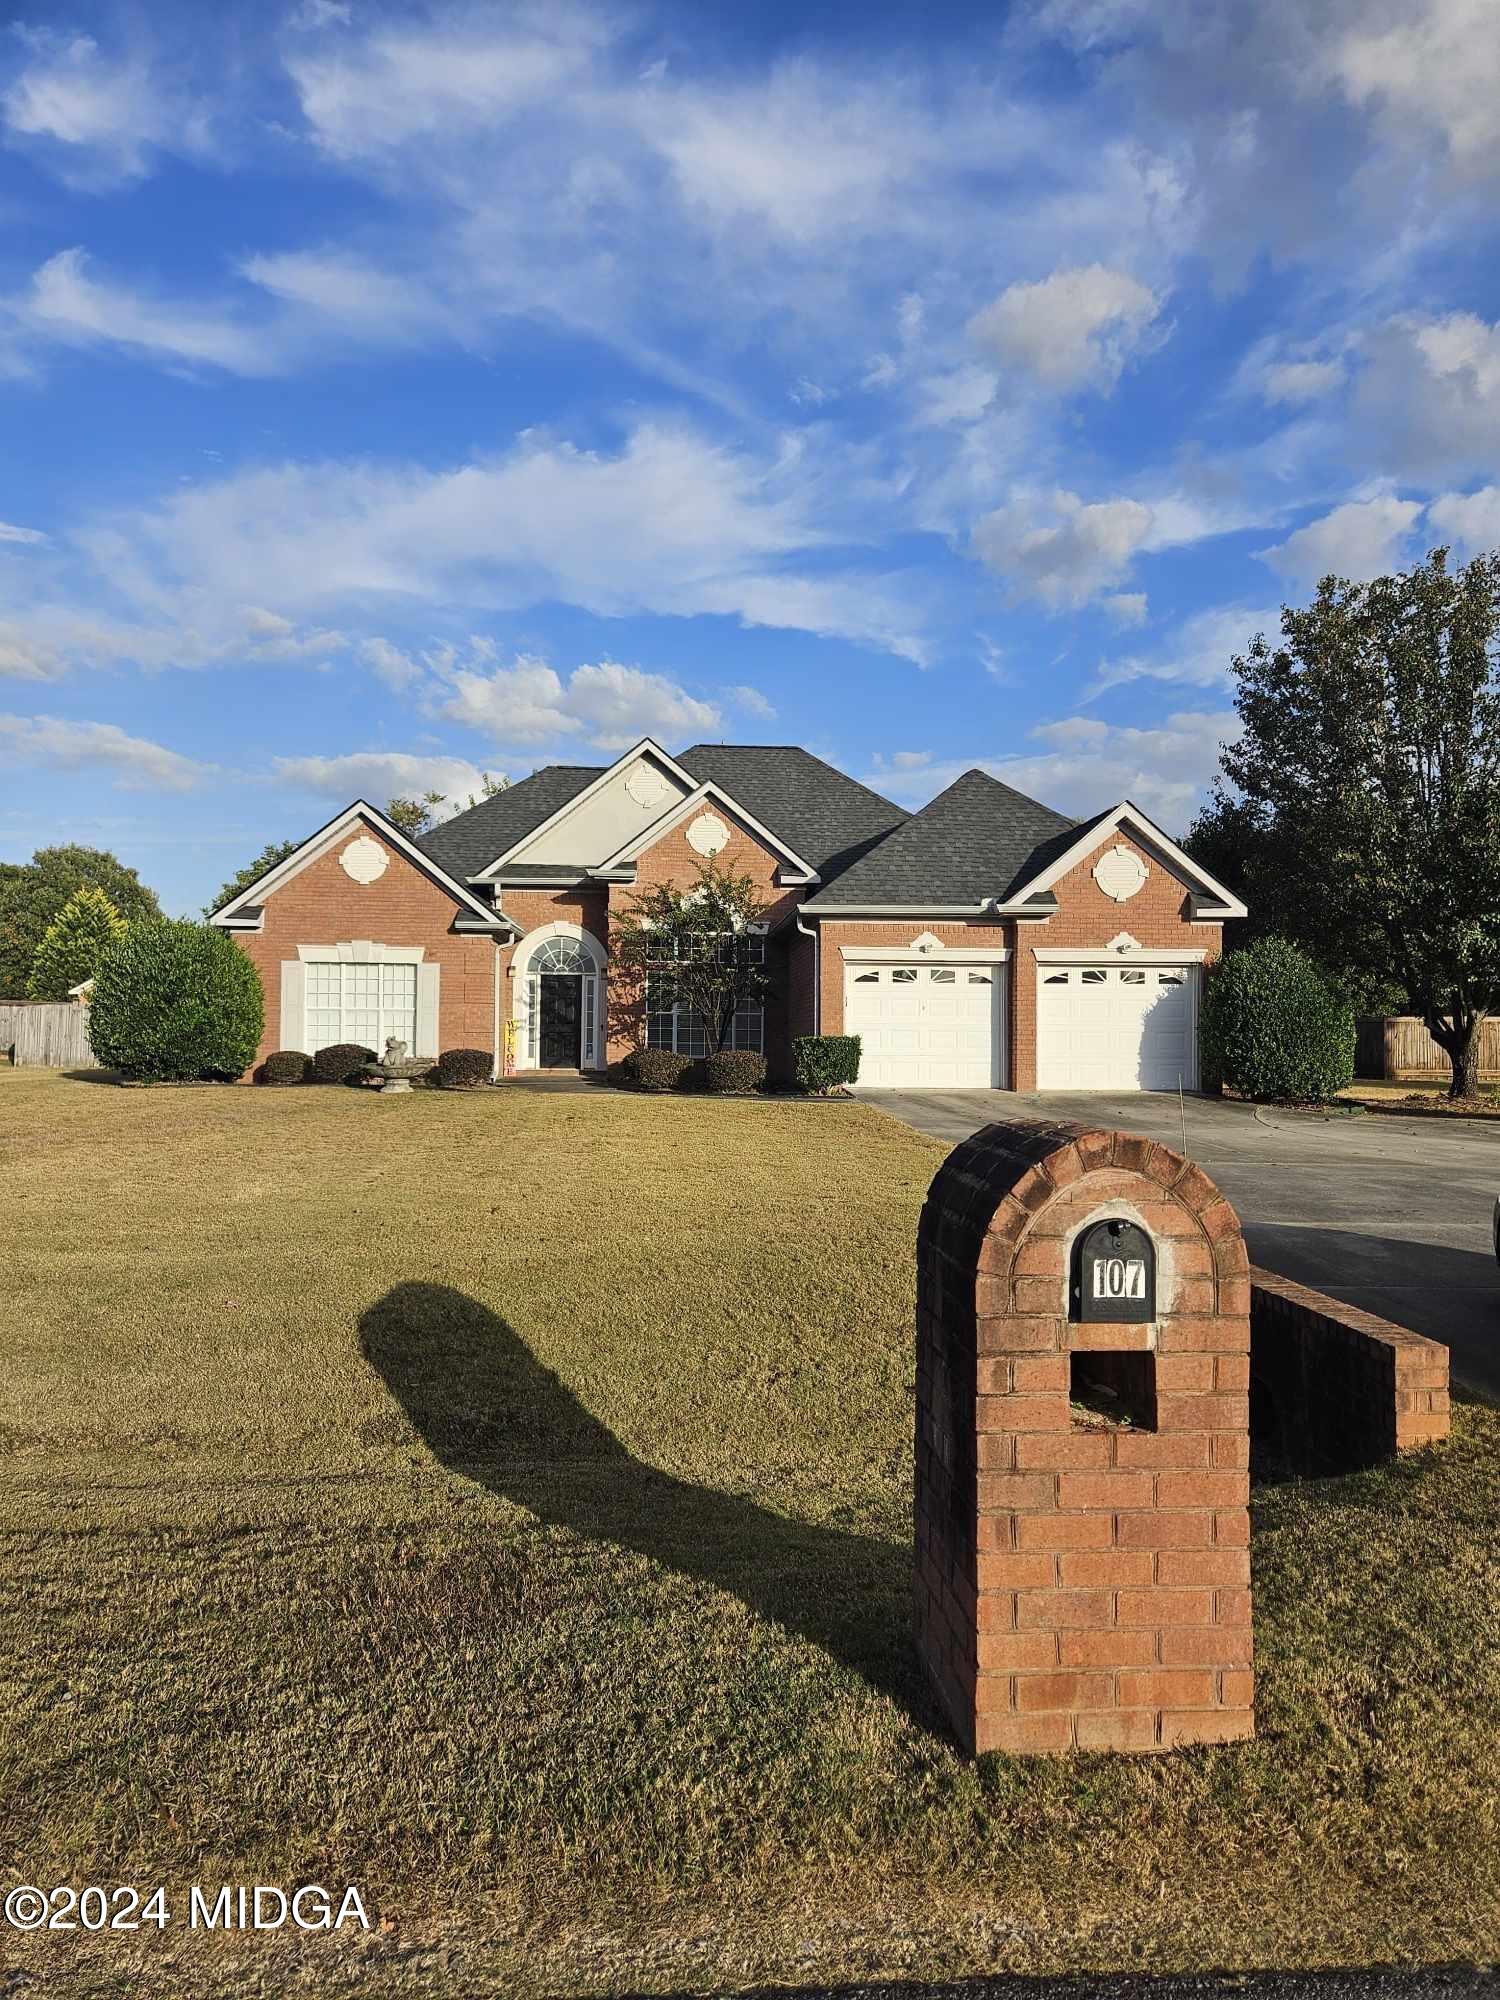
(562, 1006)
(562, 954)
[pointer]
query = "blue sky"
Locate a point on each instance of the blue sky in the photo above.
(395, 393)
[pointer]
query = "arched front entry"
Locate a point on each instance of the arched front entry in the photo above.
(557, 999)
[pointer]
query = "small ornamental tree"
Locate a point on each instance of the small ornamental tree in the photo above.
(73, 943)
(175, 1002)
(1273, 1027)
(701, 948)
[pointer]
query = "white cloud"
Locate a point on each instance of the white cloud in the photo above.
(389, 664)
(1436, 64)
(1127, 607)
(67, 304)
(1427, 402)
(609, 705)
(1060, 550)
(28, 536)
(337, 287)
(1361, 539)
(1085, 765)
(1470, 521)
(752, 702)
(404, 84)
(1197, 653)
(97, 118)
(671, 523)
(1075, 329)
(379, 775)
(1298, 382)
(46, 742)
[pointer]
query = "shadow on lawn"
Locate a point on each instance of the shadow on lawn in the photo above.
(491, 1412)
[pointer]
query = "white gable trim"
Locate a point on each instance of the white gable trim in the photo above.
(1132, 818)
(647, 747)
(318, 844)
(702, 794)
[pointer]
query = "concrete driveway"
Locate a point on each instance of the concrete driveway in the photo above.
(1389, 1214)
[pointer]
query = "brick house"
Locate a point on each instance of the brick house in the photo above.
(983, 941)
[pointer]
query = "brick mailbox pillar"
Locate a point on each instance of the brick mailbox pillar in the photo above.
(1082, 1451)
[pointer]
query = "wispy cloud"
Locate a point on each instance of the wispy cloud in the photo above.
(48, 742)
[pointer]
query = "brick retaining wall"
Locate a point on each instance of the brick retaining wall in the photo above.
(1333, 1389)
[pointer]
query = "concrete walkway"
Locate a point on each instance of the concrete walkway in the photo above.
(1390, 1214)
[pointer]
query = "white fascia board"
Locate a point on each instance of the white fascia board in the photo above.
(1100, 954)
(647, 746)
(906, 954)
(1127, 814)
(703, 792)
(318, 843)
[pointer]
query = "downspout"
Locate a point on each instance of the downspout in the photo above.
(817, 937)
(495, 1077)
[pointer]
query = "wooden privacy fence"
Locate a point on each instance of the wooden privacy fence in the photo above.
(1399, 1047)
(46, 1034)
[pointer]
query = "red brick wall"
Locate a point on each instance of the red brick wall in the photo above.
(322, 905)
(672, 860)
(1333, 1389)
(1157, 916)
(1080, 1586)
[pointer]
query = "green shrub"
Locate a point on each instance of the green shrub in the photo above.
(734, 1069)
(824, 1061)
(1273, 1027)
(176, 1001)
(341, 1062)
(286, 1066)
(659, 1069)
(463, 1069)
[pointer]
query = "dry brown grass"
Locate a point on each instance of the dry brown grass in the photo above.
(502, 1502)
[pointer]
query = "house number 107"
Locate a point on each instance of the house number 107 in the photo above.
(1119, 1278)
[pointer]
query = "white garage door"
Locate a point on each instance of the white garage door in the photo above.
(1116, 1027)
(938, 1026)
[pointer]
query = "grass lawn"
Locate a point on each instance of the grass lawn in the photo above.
(501, 1502)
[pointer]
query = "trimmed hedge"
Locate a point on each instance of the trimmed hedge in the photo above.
(734, 1069)
(176, 1002)
(463, 1069)
(286, 1066)
(341, 1062)
(1273, 1027)
(824, 1061)
(659, 1069)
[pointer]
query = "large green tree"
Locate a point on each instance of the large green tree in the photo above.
(270, 854)
(1368, 769)
(33, 893)
(73, 944)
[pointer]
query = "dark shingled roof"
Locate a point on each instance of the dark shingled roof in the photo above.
(978, 839)
(827, 818)
(473, 839)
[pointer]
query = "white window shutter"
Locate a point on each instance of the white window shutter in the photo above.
(293, 1017)
(427, 1011)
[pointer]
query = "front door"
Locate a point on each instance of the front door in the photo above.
(562, 1010)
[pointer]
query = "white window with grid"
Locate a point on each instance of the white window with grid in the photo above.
(367, 1004)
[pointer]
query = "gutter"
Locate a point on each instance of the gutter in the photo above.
(817, 938)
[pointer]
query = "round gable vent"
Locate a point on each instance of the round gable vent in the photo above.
(364, 860)
(708, 834)
(1120, 873)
